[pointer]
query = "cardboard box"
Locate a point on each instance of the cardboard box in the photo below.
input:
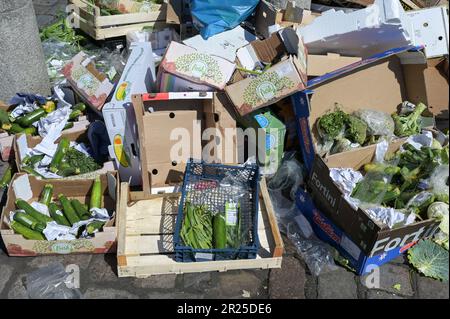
(93, 86)
(267, 17)
(138, 77)
(399, 77)
(22, 142)
(370, 236)
(322, 64)
(173, 114)
(103, 242)
(386, 247)
(186, 63)
(282, 79)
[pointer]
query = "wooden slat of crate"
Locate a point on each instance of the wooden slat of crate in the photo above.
(91, 14)
(147, 249)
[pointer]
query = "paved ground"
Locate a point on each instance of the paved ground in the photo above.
(99, 279)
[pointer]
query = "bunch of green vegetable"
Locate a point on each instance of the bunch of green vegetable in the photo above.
(24, 123)
(62, 31)
(364, 127)
(31, 223)
(204, 229)
(409, 184)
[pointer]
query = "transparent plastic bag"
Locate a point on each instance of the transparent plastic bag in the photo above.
(316, 254)
(51, 282)
(438, 183)
(378, 123)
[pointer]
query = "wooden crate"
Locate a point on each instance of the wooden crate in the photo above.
(145, 233)
(87, 17)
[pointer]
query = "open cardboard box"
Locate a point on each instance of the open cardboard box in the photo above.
(280, 80)
(22, 141)
(381, 82)
(185, 69)
(368, 235)
(174, 113)
(30, 189)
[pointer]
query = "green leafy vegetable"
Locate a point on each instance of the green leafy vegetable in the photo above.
(407, 125)
(62, 31)
(332, 124)
(79, 160)
(356, 130)
(430, 259)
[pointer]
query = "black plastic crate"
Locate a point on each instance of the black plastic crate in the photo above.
(200, 182)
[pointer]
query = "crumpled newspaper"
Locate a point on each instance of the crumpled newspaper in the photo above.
(345, 178)
(420, 140)
(54, 122)
(390, 216)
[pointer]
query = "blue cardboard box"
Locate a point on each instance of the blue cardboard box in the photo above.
(362, 261)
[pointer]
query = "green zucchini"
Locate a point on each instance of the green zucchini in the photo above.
(47, 194)
(75, 114)
(94, 226)
(57, 215)
(68, 126)
(13, 128)
(29, 221)
(79, 107)
(81, 210)
(30, 130)
(26, 232)
(4, 117)
(6, 178)
(68, 210)
(30, 170)
(68, 171)
(63, 146)
(32, 160)
(96, 194)
(219, 231)
(21, 204)
(30, 118)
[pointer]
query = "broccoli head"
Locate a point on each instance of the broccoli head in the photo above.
(407, 125)
(356, 130)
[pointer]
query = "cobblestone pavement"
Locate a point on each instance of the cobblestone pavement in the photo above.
(99, 279)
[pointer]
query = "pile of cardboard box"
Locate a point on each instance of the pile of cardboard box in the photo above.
(278, 76)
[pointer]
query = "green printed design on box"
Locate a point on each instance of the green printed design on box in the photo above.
(199, 65)
(266, 87)
(275, 131)
(62, 246)
(85, 81)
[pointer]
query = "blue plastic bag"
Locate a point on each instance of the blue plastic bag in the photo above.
(215, 16)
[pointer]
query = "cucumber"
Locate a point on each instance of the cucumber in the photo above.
(219, 231)
(80, 107)
(92, 227)
(75, 114)
(21, 204)
(6, 178)
(26, 232)
(96, 194)
(32, 160)
(81, 210)
(68, 210)
(13, 128)
(57, 215)
(63, 146)
(47, 194)
(30, 118)
(28, 221)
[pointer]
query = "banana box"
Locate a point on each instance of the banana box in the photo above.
(137, 77)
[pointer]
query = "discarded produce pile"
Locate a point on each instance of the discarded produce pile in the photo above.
(333, 102)
(68, 220)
